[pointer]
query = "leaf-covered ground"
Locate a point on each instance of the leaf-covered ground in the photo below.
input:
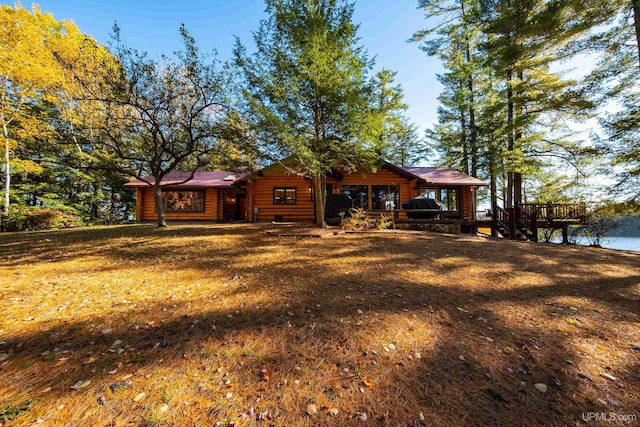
(230, 325)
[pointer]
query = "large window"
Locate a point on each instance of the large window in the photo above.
(284, 195)
(385, 197)
(183, 200)
(358, 193)
(448, 199)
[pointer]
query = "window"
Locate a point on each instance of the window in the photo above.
(385, 197)
(284, 195)
(183, 200)
(358, 193)
(429, 193)
(448, 199)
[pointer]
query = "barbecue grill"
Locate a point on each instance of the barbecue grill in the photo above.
(422, 208)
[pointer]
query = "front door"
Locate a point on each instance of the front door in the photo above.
(241, 206)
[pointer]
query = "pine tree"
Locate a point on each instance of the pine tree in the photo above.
(615, 84)
(307, 91)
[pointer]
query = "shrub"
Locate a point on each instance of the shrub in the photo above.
(359, 219)
(44, 219)
(29, 218)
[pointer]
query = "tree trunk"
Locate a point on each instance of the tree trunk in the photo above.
(463, 141)
(157, 199)
(493, 185)
(7, 170)
(636, 21)
(517, 173)
(473, 134)
(510, 141)
(320, 197)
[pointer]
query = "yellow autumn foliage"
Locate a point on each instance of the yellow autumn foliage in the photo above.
(43, 61)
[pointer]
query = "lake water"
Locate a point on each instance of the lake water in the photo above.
(624, 243)
(614, 242)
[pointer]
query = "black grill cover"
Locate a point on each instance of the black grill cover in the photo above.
(422, 203)
(337, 203)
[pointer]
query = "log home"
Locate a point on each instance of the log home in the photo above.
(277, 193)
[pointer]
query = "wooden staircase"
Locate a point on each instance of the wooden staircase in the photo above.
(517, 223)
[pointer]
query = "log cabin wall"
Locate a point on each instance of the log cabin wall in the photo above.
(261, 196)
(140, 203)
(146, 208)
(467, 203)
(261, 193)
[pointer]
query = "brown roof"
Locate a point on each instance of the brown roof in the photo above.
(444, 176)
(219, 179)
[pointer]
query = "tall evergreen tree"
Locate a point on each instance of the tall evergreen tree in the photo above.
(505, 47)
(615, 85)
(455, 41)
(307, 90)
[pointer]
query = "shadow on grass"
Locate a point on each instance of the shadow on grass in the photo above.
(466, 354)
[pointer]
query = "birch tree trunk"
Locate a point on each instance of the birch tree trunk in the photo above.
(7, 170)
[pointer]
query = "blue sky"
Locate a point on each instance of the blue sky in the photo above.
(152, 25)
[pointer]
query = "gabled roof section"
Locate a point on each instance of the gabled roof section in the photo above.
(444, 176)
(402, 172)
(215, 179)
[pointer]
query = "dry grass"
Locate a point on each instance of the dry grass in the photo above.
(228, 324)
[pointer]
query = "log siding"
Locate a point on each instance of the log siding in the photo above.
(146, 211)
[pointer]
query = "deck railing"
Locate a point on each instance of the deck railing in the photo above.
(503, 221)
(557, 212)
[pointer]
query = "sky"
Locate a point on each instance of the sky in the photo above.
(152, 26)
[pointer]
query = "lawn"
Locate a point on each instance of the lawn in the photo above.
(204, 325)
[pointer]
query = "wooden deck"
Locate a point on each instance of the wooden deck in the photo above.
(523, 220)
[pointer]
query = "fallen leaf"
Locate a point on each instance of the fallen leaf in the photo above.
(80, 384)
(139, 397)
(229, 395)
(312, 409)
(613, 402)
(368, 382)
(607, 376)
(391, 346)
(164, 408)
(333, 411)
(334, 367)
(363, 416)
(507, 350)
(89, 360)
(265, 375)
(541, 387)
